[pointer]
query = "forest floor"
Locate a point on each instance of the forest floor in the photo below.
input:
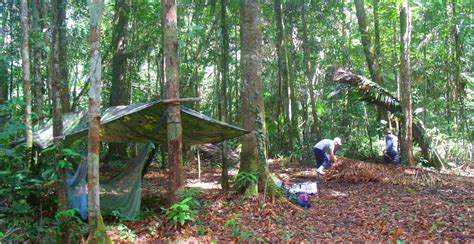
(343, 210)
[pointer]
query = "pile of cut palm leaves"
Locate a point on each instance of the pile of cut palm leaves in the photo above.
(350, 170)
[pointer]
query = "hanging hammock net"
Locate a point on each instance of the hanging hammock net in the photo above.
(145, 122)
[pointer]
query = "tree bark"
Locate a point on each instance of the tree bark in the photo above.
(120, 92)
(377, 32)
(25, 57)
(224, 81)
(253, 154)
(406, 145)
(283, 75)
(370, 55)
(292, 105)
(37, 26)
(449, 83)
(56, 90)
(460, 84)
(174, 130)
(4, 65)
(97, 232)
(64, 73)
(308, 70)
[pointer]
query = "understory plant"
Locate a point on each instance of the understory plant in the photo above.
(245, 179)
(238, 229)
(179, 214)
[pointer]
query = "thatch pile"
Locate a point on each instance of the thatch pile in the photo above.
(349, 170)
(213, 151)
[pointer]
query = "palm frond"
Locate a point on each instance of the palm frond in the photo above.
(373, 93)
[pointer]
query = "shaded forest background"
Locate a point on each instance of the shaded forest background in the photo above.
(303, 43)
(301, 106)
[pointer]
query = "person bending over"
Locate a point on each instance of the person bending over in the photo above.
(324, 152)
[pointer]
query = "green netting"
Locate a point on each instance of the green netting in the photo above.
(144, 122)
(138, 123)
(120, 195)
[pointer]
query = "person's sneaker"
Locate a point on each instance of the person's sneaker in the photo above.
(320, 170)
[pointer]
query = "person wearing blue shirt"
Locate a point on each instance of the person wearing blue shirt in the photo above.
(323, 151)
(391, 148)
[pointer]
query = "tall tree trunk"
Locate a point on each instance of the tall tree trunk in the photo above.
(58, 135)
(449, 83)
(308, 70)
(460, 84)
(12, 50)
(170, 51)
(405, 76)
(253, 154)
(370, 55)
(64, 73)
(377, 32)
(283, 74)
(224, 81)
(120, 93)
(292, 105)
(4, 65)
(37, 25)
(25, 61)
(395, 60)
(97, 232)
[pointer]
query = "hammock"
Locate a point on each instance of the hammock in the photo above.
(143, 122)
(119, 196)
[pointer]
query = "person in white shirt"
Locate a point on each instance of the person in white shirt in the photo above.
(324, 153)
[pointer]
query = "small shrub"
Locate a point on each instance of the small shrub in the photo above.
(180, 213)
(192, 192)
(125, 233)
(245, 179)
(201, 228)
(239, 230)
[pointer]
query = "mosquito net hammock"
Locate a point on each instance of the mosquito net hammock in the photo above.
(144, 122)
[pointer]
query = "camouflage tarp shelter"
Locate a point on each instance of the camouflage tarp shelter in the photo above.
(143, 122)
(140, 122)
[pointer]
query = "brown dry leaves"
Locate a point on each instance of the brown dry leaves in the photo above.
(361, 202)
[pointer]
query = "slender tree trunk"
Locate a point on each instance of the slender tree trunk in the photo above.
(237, 88)
(12, 48)
(378, 52)
(367, 128)
(405, 77)
(224, 81)
(283, 74)
(58, 135)
(292, 106)
(170, 32)
(425, 69)
(460, 84)
(25, 57)
(395, 60)
(449, 85)
(37, 26)
(64, 73)
(308, 70)
(120, 93)
(4, 64)
(378, 56)
(97, 232)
